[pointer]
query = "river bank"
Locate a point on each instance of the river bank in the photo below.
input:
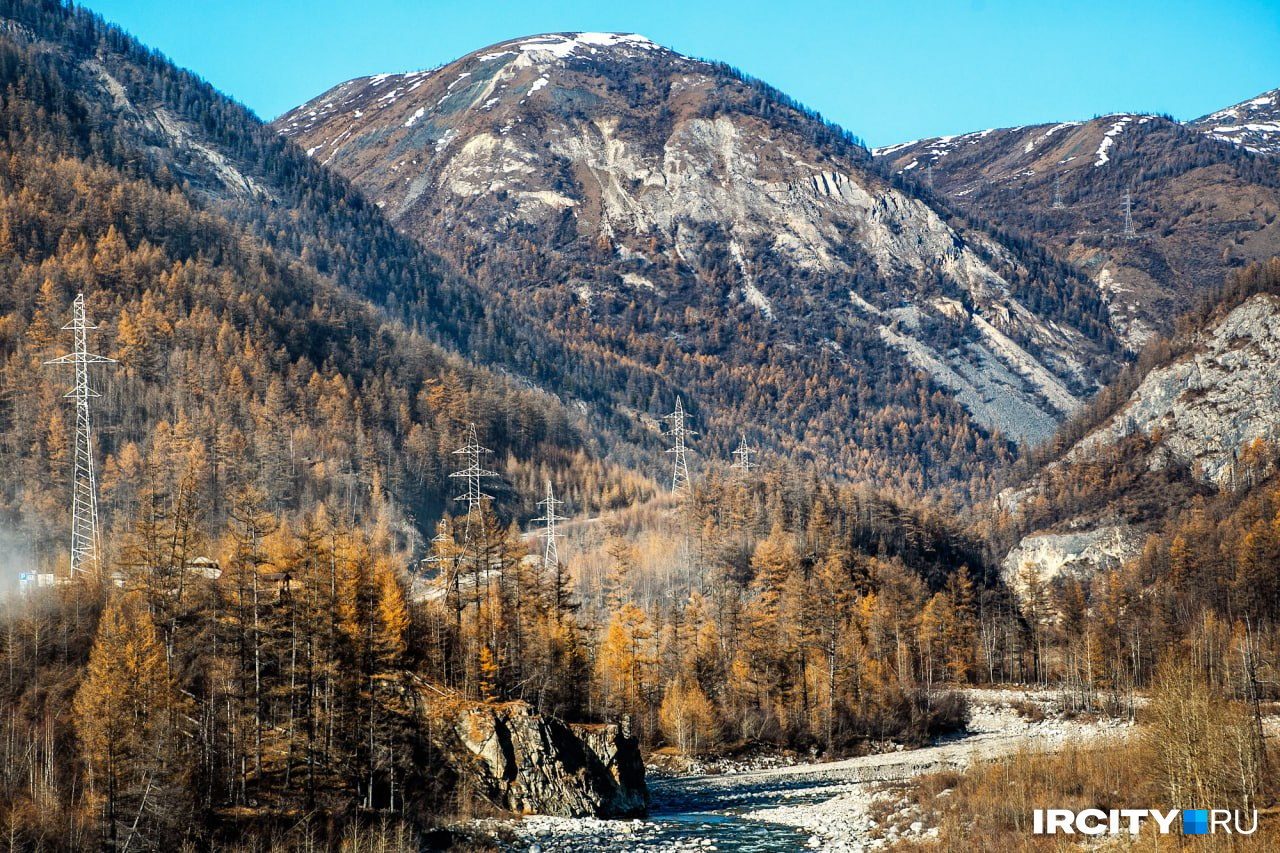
(855, 804)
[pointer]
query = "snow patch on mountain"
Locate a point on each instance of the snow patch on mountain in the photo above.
(1239, 111)
(937, 148)
(1036, 140)
(562, 46)
(1253, 125)
(1108, 139)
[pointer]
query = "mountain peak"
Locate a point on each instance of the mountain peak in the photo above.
(502, 73)
(563, 45)
(601, 177)
(1253, 124)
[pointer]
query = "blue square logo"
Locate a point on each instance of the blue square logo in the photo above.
(1195, 821)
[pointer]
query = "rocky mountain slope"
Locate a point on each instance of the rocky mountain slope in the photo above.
(1203, 419)
(1154, 212)
(679, 226)
(1253, 124)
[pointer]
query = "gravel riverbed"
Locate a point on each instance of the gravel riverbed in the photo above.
(851, 805)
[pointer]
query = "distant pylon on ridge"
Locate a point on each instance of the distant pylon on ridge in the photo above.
(1057, 192)
(85, 545)
(550, 551)
(742, 463)
(472, 474)
(1129, 233)
(678, 433)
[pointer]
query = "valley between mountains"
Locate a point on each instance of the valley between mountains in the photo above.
(581, 445)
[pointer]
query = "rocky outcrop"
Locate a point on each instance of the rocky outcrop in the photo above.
(1207, 420)
(1047, 556)
(1206, 407)
(536, 764)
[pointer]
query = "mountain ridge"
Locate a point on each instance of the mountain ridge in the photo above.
(1154, 213)
(604, 182)
(1253, 124)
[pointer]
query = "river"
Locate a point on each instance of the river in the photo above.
(849, 805)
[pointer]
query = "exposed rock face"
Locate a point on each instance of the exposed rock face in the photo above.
(1209, 404)
(532, 764)
(1195, 421)
(1083, 553)
(1199, 208)
(603, 178)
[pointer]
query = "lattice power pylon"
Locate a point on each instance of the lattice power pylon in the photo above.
(550, 551)
(1129, 232)
(1058, 204)
(678, 433)
(472, 474)
(84, 490)
(742, 463)
(438, 541)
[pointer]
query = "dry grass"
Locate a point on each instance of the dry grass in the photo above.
(1195, 749)
(990, 806)
(1031, 711)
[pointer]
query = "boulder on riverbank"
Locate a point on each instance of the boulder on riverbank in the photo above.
(536, 764)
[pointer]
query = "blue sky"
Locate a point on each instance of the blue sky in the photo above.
(888, 71)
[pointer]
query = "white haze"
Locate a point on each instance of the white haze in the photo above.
(15, 557)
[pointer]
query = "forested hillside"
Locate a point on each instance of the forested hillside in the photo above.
(669, 220)
(271, 447)
(1191, 418)
(294, 629)
(246, 354)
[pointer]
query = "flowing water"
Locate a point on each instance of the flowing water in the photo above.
(723, 812)
(709, 813)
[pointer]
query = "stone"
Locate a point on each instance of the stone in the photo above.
(537, 764)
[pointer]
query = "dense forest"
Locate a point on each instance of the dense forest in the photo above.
(239, 362)
(262, 659)
(172, 706)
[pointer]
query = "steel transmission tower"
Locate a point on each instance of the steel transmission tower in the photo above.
(742, 463)
(442, 536)
(472, 474)
(550, 553)
(84, 494)
(1057, 192)
(1129, 233)
(679, 432)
